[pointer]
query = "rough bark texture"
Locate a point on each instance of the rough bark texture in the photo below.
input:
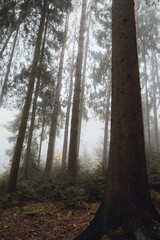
(52, 134)
(65, 142)
(127, 200)
(28, 150)
(105, 142)
(73, 148)
(22, 129)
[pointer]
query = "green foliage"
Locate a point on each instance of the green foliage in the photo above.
(56, 187)
(73, 195)
(93, 183)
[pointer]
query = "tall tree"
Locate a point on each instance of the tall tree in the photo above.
(34, 107)
(42, 135)
(127, 201)
(53, 128)
(81, 108)
(22, 129)
(73, 148)
(146, 95)
(65, 142)
(105, 141)
(156, 133)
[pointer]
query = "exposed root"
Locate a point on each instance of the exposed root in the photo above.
(95, 229)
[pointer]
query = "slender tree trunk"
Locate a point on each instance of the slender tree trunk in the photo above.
(146, 96)
(28, 150)
(4, 86)
(127, 201)
(73, 148)
(155, 105)
(41, 137)
(6, 42)
(105, 143)
(157, 70)
(52, 134)
(83, 84)
(65, 142)
(22, 129)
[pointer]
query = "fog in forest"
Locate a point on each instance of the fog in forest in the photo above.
(80, 119)
(17, 53)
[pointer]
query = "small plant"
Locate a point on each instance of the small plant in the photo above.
(72, 196)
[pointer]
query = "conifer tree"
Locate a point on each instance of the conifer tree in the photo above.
(127, 202)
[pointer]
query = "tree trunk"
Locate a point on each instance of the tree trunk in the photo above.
(157, 70)
(105, 143)
(155, 106)
(22, 129)
(6, 42)
(83, 83)
(28, 150)
(65, 142)
(52, 134)
(41, 137)
(73, 148)
(127, 200)
(4, 86)
(146, 95)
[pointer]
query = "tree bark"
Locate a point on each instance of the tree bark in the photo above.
(65, 142)
(146, 95)
(22, 129)
(52, 134)
(127, 201)
(41, 137)
(155, 105)
(157, 70)
(28, 150)
(73, 148)
(105, 142)
(83, 83)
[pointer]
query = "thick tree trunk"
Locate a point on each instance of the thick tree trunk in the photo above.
(28, 150)
(52, 134)
(146, 96)
(4, 86)
(105, 142)
(83, 83)
(127, 200)
(156, 133)
(22, 129)
(73, 148)
(65, 142)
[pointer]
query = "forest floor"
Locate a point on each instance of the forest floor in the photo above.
(45, 221)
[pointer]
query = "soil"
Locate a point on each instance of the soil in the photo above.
(46, 221)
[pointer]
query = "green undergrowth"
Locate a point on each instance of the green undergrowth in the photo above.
(58, 186)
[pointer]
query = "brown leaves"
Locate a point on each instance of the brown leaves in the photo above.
(40, 221)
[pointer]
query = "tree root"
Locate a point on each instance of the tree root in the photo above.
(95, 229)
